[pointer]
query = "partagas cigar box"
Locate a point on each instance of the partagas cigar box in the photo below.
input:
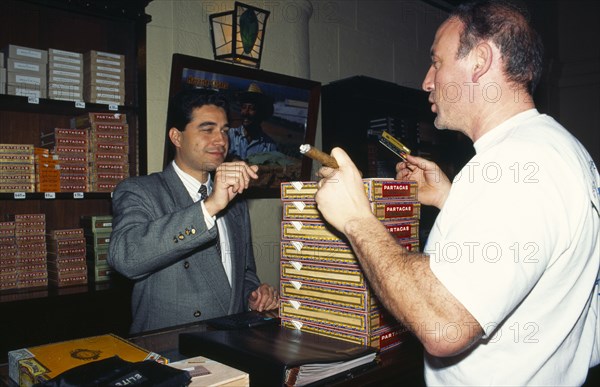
(321, 232)
(335, 254)
(310, 231)
(335, 317)
(349, 276)
(390, 189)
(85, 120)
(298, 190)
(375, 189)
(335, 296)
(385, 210)
(381, 339)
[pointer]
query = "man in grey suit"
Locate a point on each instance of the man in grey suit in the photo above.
(190, 255)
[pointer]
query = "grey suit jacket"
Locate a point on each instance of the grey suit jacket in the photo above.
(160, 241)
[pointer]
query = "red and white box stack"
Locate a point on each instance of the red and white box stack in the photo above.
(67, 257)
(108, 138)
(71, 147)
(323, 289)
(30, 239)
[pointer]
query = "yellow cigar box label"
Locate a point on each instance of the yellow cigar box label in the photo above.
(293, 270)
(304, 312)
(334, 254)
(312, 231)
(298, 190)
(303, 210)
(342, 318)
(361, 300)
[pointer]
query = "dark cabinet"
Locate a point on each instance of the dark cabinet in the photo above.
(356, 110)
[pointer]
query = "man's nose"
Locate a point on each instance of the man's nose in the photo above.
(428, 83)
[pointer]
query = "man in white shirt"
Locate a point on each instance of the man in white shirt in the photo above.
(505, 292)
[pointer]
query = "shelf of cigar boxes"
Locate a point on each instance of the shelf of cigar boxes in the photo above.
(72, 125)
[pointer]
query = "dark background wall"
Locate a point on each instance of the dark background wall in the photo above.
(570, 88)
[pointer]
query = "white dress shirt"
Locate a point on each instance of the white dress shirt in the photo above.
(193, 185)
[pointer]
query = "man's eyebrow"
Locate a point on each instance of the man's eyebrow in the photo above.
(207, 123)
(211, 123)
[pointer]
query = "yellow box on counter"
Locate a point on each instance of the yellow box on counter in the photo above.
(28, 366)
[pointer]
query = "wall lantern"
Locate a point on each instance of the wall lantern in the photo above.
(238, 35)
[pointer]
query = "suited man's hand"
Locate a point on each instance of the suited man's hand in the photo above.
(264, 298)
(230, 180)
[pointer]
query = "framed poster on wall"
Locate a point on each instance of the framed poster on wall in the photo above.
(271, 115)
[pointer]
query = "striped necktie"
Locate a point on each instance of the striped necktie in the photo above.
(203, 191)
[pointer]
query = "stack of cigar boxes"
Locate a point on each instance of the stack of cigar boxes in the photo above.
(8, 256)
(97, 229)
(108, 138)
(65, 75)
(104, 78)
(66, 257)
(47, 171)
(30, 267)
(17, 168)
(26, 71)
(71, 148)
(323, 289)
(95, 77)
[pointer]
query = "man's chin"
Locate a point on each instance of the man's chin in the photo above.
(214, 163)
(439, 124)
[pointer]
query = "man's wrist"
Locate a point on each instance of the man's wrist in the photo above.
(209, 219)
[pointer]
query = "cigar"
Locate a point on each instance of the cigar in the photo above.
(318, 155)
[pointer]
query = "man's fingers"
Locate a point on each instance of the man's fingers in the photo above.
(326, 172)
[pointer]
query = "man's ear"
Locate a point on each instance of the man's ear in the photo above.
(483, 60)
(175, 137)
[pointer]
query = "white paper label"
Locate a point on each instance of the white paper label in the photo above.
(299, 205)
(297, 265)
(297, 245)
(297, 184)
(296, 284)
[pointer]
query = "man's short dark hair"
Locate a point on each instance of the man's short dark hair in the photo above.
(183, 104)
(507, 25)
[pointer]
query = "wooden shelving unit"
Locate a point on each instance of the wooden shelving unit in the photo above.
(36, 316)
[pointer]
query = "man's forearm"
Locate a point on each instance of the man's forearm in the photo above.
(406, 286)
